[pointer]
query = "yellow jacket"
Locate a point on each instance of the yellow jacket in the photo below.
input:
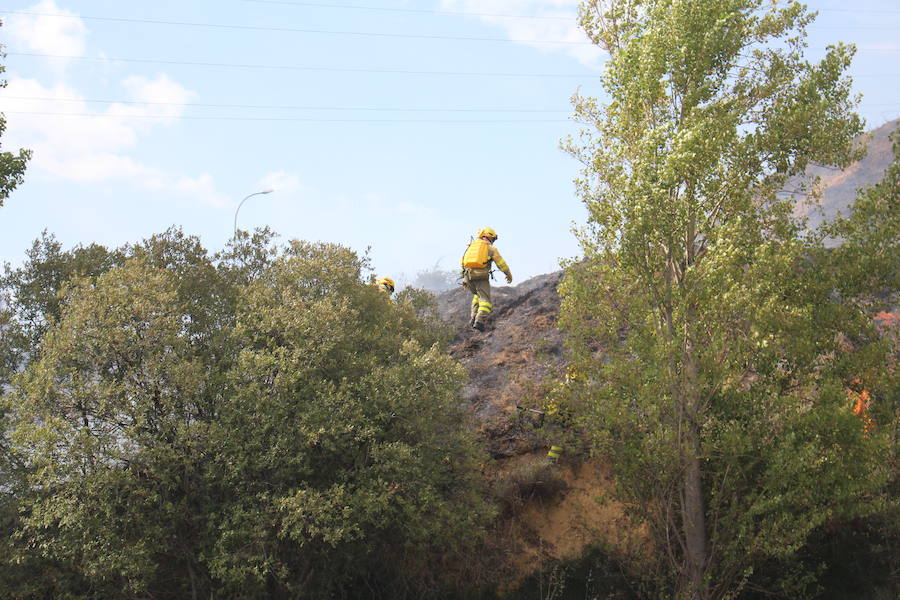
(495, 257)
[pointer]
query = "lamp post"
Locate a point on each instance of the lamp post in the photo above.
(242, 203)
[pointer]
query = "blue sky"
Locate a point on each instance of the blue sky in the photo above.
(400, 125)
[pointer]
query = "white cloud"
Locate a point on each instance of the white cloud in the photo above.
(91, 145)
(37, 115)
(62, 36)
(164, 98)
(281, 182)
(555, 21)
(59, 135)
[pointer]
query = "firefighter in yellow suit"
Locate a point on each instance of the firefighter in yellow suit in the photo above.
(386, 285)
(476, 264)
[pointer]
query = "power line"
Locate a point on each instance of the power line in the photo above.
(349, 33)
(296, 67)
(331, 69)
(279, 119)
(322, 120)
(285, 106)
(417, 36)
(306, 107)
(571, 17)
(568, 17)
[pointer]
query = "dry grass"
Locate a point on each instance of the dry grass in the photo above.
(556, 512)
(531, 481)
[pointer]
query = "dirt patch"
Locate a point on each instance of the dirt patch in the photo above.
(584, 515)
(556, 512)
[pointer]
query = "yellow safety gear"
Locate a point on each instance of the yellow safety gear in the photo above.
(487, 232)
(501, 264)
(477, 255)
(554, 452)
(386, 282)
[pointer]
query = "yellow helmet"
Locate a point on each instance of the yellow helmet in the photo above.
(387, 282)
(487, 232)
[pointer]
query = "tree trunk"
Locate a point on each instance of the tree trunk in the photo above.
(193, 579)
(693, 509)
(694, 519)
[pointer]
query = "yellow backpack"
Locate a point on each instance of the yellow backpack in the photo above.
(476, 256)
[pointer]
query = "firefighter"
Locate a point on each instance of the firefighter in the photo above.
(385, 284)
(476, 264)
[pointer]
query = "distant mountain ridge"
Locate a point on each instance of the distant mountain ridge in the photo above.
(840, 187)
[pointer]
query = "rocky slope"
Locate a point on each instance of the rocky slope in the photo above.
(521, 347)
(551, 510)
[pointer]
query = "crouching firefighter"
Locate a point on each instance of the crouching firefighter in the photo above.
(476, 264)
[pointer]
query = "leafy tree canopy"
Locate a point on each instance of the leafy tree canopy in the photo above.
(260, 423)
(713, 357)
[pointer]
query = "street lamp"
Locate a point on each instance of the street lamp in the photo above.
(242, 203)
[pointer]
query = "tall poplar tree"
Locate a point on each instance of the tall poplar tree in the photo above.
(713, 357)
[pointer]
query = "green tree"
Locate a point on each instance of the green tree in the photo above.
(33, 292)
(12, 166)
(111, 423)
(247, 256)
(39, 293)
(713, 356)
(867, 258)
(356, 460)
(254, 425)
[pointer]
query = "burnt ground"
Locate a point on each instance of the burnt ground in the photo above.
(550, 511)
(508, 362)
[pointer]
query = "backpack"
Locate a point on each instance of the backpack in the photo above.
(477, 255)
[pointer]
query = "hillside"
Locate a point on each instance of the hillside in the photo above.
(839, 186)
(551, 510)
(555, 513)
(525, 345)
